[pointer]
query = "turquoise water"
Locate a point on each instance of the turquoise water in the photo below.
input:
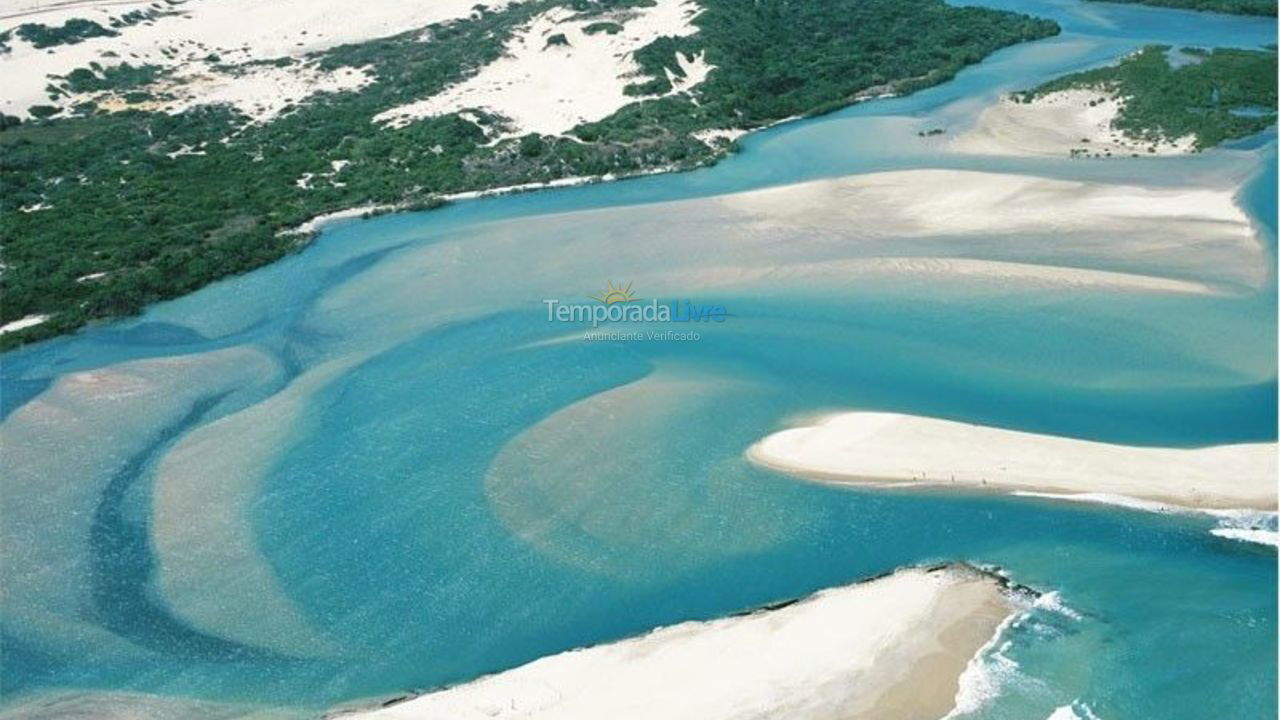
(374, 466)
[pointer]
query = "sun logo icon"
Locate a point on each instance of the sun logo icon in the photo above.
(617, 294)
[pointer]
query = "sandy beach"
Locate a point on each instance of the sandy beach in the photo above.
(891, 647)
(873, 448)
(1073, 123)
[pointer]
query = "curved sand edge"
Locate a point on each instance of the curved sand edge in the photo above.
(895, 646)
(877, 448)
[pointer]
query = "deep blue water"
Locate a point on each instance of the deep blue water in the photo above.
(387, 430)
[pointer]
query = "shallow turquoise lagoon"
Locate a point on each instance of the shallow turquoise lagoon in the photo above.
(376, 467)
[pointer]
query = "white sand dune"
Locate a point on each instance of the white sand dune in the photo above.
(876, 448)
(550, 88)
(892, 647)
(23, 323)
(236, 31)
(1062, 123)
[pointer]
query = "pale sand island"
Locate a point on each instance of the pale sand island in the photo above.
(1062, 123)
(893, 647)
(875, 448)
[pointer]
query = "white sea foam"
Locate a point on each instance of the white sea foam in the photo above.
(1124, 501)
(1262, 537)
(1052, 602)
(990, 670)
(1243, 524)
(1075, 711)
(1248, 526)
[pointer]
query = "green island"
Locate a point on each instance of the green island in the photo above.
(1232, 7)
(1217, 95)
(104, 212)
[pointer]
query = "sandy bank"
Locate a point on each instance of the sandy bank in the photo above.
(887, 448)
(1066, 123)
(892, 647)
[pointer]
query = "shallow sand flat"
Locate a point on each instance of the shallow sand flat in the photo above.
(614, 515)
(984, 228)
(200, 529)
(90, 426)
(1165, 232)
(891, 647)
(995, 274)
(1057, 124)
(888, 448)
(93, 705)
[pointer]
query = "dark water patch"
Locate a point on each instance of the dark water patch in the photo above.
(22, 665)
(16, 393)
(153, 334)
(121, 564)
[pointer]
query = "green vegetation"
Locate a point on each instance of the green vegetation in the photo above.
(1234, 7)
(164, 204)
(134, 17)
(611, 28)
(116, 77)
(779, 59)
(41, 112)
(71, 32)
(1226, 94)
(76, 29)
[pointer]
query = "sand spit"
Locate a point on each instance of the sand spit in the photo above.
(874, 448)
(891, 647)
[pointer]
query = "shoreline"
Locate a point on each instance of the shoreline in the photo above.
(317, 223)
(872, 449)
(895, 645)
